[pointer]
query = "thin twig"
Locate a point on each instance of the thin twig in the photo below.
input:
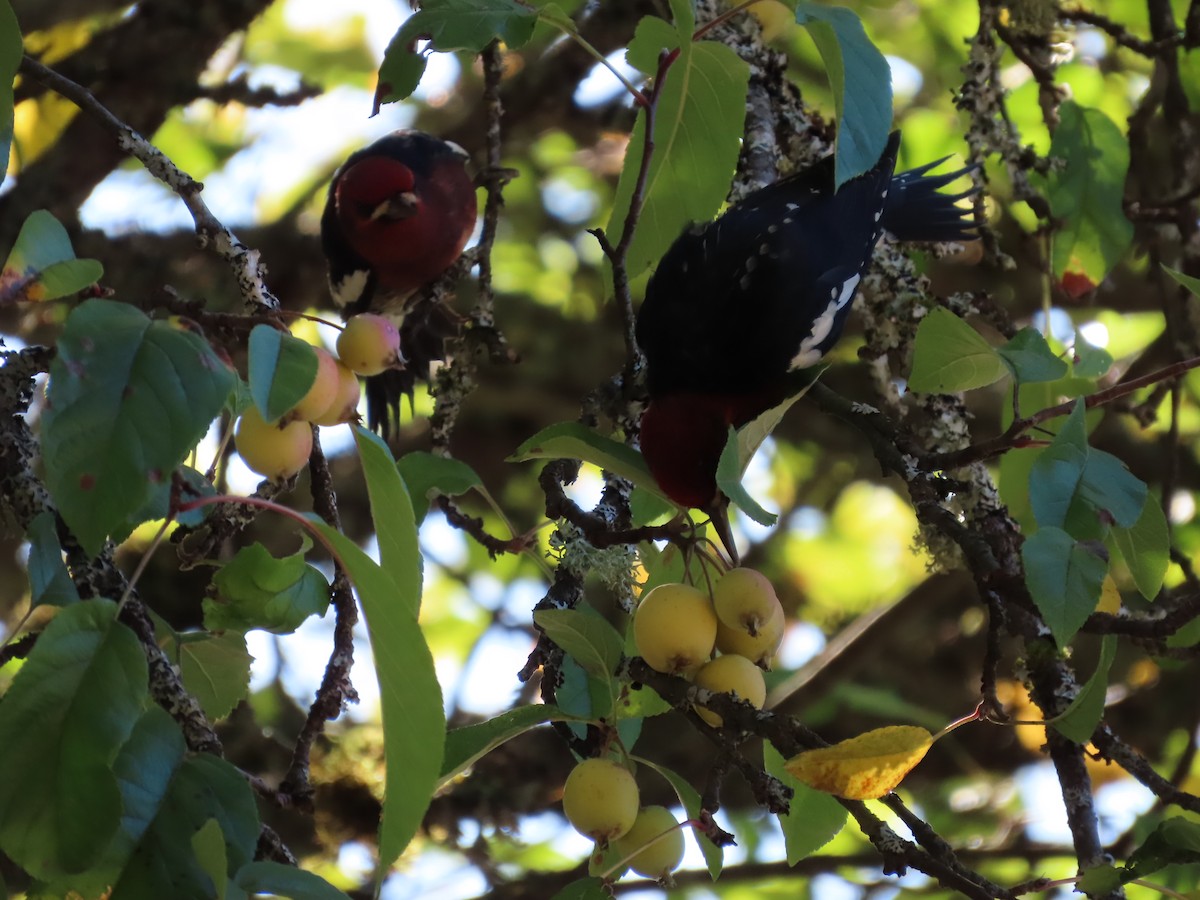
(244, 262)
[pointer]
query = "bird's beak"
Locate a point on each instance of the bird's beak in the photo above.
(718, 513)
(398, 206)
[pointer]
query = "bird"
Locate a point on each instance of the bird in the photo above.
(398, 214)
(740, 309)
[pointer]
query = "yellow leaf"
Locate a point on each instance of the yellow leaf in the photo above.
(864, 767)
(1110, 597)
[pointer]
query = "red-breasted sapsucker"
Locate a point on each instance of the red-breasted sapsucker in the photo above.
(399, 213)
(740, 307)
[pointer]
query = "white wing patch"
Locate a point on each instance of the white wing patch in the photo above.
(809, 353)
(350, 288)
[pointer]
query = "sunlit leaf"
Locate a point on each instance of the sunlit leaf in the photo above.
(866, 766)
(585, 635)
(1090, 362)
(1146, 548)
(1087, 193)
(570, 440)
(215, 669)
(208, 844)
(861, 81)
(740, 448)
(949, 356)
(451, 25)
(42, 263)
(392, 513)
(256, 590)
(697, 137)
(813, 819)
(10, 59)
(466, 745)
(414, 722)
(281, 369)
(1080, 719)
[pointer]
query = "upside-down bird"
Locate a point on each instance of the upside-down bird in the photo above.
(740, 307)
(399, 214)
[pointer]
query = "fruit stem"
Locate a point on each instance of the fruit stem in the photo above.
(145, 561)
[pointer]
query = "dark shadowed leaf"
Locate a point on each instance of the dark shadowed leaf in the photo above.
(585, 635)
(49, 580)
(1083, 715)
(74, 702)
(570, 440)
(1030, 358)
(10, 58)
(392, 513)
(426, 475)
(1064, 579)
(128, 400)
(1146, 548)
(464, 746)
(266, 877)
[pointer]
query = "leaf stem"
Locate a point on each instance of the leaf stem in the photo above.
(722, 19)
(638, 97)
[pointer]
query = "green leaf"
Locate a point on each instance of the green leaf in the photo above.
(740, 448)
(158, 503)
(426, 475)
(128, 400)
(697, 137)
(68, 712)
(10, 59)
(392, 514)
(1086, 194)
(689, 799)
(1089, 361)
(1055, 477)
(813, 819)
(1175, 840)
(466, 745)
(729, 480)
(1080, 719)
(49, 580)
(585, 635)
(256, 590)
(201, 787)
(642, 703)
(209, 846)
(1192, 284)
(861, 81)
(1099, 880)
(1146, 548)
(584, 889)
(414, 723)
(451, 25)
(1064, 579)
(215, 669)
(42, 264)
(280, 370)
(949, 356)
(1030, 358)
(266, 877)
(570, 440)
(1081, 489)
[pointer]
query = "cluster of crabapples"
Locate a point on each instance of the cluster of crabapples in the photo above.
(367, 345)
(677, 629)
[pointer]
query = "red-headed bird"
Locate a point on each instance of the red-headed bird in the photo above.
(740, 307)
(398, 215)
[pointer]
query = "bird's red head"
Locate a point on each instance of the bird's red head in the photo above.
(408, 224)
(682, 436)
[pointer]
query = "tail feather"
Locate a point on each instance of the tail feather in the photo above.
(917, 211)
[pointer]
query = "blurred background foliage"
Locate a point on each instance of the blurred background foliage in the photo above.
(262, 100)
